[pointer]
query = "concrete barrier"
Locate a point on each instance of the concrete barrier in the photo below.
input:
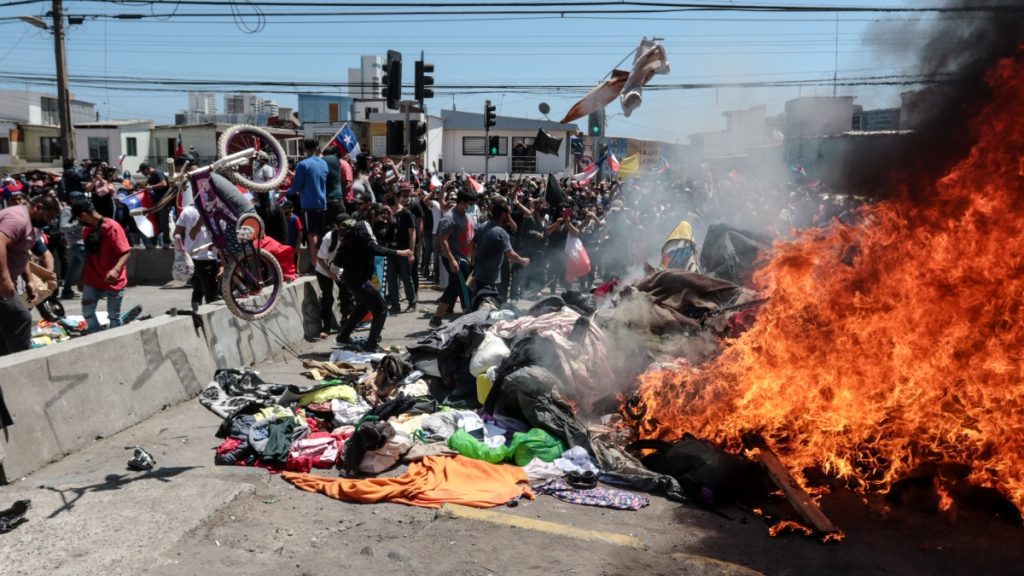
(150, 267)
(63, 397)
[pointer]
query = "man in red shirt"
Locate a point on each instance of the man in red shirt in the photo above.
(106, 253)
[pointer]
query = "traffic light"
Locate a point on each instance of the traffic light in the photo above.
(490, 116)
(392, 79)
(493, 145)
(423, 80)
(595, 123)
(419, 137)
(396, 138)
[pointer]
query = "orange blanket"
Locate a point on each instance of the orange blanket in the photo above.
(428, 483)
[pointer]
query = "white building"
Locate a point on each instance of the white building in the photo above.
(30, 129)
(106, 141)
(202, 103)
(464, 145)
(365, 82)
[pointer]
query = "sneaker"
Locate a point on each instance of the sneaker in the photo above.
(342, 339)
(411, 307)
(363, 326)
(68, 295)
(436, 322)
(395, 310)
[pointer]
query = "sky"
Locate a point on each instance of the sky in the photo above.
(564, 54)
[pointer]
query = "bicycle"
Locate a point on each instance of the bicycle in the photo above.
(252, 280)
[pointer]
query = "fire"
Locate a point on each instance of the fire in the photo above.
(889, 344)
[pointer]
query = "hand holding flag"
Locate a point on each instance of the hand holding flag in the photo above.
(346, 140)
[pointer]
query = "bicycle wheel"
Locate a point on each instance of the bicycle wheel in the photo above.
(252, 284)
(243, 137)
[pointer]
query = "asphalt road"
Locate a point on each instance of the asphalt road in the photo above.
(91, 515)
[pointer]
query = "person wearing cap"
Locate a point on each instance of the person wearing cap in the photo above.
(18, 234)
(106, 254)
(157, 185)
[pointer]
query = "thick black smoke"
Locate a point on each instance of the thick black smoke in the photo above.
(962, 47)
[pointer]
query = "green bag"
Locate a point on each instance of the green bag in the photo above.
(536, 443)
(465, 444)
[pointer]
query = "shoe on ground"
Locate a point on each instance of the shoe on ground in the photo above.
(436, 322)
(342, 339)
(373, 348)
(411, 307)
(68, 295)
(363, 326)
(395, 310)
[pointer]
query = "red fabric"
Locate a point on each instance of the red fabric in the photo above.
(284, 254)
(347, 178)
(113, 243)
(228, 445)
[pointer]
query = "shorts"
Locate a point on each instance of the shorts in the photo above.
(316, 222)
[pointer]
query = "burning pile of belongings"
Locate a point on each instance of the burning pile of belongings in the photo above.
(878, 355)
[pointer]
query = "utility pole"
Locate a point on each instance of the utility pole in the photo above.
(67, 140)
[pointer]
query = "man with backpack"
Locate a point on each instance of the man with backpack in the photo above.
(355, 258)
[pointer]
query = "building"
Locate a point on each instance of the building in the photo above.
(30, 129)
(201, 140)
(202, 103)
(323, 115)
(366, 82)
(464, 145)
(107, 141)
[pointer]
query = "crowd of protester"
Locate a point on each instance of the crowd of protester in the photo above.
(374, 236)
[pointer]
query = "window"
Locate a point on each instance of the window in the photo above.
(524, 156)
(49, 148)
(5, 145)
(51, 112)
(99, 149)
(131, 145)
(477, 145)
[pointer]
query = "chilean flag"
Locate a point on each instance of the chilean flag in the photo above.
(613, 162)
(474, 185)
(140, 201)
(435, 182)
(180, 150)
(347, 141)
(587, 173)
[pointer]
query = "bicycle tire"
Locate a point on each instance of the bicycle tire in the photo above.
(279, 160)
(235, 303)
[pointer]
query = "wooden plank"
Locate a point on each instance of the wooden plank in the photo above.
(795, 495)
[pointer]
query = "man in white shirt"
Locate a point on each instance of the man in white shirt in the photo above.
(193, 239)
(328, 275)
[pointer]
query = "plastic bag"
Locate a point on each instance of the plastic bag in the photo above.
(470, 447)
(489, 353)
(182, 268)
(536, 443)
(577, 261)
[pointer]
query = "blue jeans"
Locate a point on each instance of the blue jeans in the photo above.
(91, 297)
(76, 257)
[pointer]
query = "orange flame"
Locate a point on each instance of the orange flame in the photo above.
(890, 344)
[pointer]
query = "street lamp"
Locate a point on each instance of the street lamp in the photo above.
(35, 21)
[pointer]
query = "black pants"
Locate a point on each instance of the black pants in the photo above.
(204, 282)
(163, 233)
(456, 289)
(426, 256)
(328, 322)
(15, 326)
(368, 299)
(399, 268)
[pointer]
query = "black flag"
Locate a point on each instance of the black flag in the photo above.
(554, 195)
(546, 143)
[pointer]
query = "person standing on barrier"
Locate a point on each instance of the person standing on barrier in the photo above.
(355, 257)
(106, 254)
(17, 236)
(310, 184)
